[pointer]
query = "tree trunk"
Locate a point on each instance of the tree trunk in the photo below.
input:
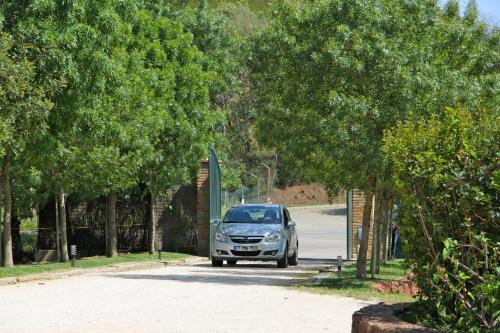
(376, 230)
(380, 228)
(152, 225)
(389, 231)
(7, 215)
(58, 232)
(62, 225)
(363, 247)
(385, 232)
(111, 231)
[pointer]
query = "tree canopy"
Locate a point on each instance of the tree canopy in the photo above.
(336, 74)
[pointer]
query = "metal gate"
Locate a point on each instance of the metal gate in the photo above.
(214, 182)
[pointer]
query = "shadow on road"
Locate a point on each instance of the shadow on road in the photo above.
(246, 273)
(334, 211)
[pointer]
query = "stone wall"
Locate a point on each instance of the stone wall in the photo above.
(382, 318)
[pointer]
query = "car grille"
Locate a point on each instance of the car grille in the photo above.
(246, 253)
(246, 239)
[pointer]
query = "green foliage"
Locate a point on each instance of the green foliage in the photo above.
(446, 170)
(334, 74)
(134, 84)
(23, 103)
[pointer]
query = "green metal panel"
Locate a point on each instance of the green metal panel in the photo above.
(349, 224)
(214, 181)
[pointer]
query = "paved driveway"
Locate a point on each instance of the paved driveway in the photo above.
(197, 298)
(250, 297)
(322, 231)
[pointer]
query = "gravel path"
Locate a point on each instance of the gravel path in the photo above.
(250, 297)
(196, 298)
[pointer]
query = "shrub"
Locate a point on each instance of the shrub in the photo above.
(446, 170)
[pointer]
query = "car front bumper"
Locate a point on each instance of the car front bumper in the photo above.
(259, 251)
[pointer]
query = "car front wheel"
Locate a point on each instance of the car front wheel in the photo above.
(294, 260)
(216, 262)
(283, 262)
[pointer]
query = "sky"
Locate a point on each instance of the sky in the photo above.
(489, 10)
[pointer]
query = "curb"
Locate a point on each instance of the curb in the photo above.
(98, 270)
(383, 318)
(318, 206)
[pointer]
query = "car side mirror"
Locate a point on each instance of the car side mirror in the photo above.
(291, 224)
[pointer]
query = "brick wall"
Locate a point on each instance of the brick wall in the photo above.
(358, 202)
(202, 209)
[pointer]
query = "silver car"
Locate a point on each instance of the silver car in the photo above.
(261, 232)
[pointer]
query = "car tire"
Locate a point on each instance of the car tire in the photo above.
(231, 262)
(216, 262)
(294, 260)
(283, 262)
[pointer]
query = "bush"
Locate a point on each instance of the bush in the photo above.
(446, 170)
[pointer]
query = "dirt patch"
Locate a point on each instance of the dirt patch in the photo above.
(405, 287)
(303, 194)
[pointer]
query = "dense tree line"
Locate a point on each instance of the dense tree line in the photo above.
(99, 96)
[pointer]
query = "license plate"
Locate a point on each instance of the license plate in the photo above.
(246, 248)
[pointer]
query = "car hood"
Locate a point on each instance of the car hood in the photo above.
(250, 229)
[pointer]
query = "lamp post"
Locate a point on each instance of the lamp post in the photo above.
(242, 195)
(275, 164)
(258, 186)
(268, 180)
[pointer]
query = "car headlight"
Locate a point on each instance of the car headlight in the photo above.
(220, 236)
(273, 238)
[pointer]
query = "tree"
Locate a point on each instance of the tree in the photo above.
(335, 74)
(24, 107)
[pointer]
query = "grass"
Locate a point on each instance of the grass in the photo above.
(350, 286)
(20, 270)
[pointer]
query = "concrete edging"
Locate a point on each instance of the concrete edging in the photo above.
(382, 318)
(317, 206)
(122, 267)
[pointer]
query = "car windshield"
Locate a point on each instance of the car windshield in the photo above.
(253, 214)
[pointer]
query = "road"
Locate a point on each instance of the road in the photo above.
(251, 297)
(322, 231)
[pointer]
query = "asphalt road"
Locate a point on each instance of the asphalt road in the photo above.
(250, 297)
(322, 231)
